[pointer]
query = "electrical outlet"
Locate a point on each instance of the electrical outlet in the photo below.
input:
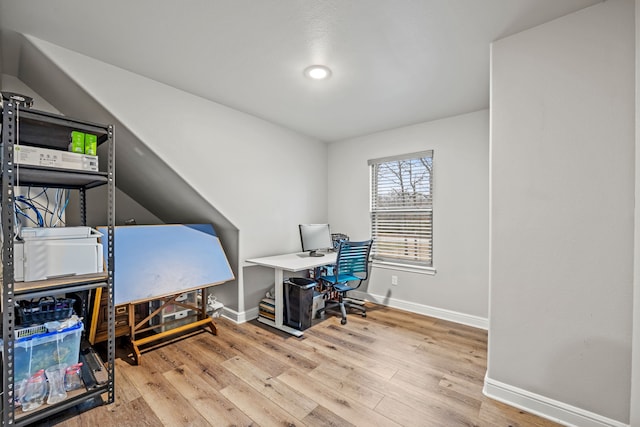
(394, 280)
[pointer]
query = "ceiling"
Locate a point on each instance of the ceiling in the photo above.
(394, 62)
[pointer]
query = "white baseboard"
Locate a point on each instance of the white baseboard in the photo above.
(545, 407)
(453, 316)
(240, 317)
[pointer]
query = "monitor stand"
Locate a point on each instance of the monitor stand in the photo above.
(315, 254)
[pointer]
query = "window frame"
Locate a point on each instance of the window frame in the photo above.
(423, 207)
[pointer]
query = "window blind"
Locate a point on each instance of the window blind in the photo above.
(402, 208)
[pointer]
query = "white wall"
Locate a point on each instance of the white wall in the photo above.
(247, 167)
(562, 216)
(127, 208)
(635, 368)
(459, 289)
(13, 84)
(2, 76)
(263, 178)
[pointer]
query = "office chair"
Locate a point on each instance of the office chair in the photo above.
(352, 265)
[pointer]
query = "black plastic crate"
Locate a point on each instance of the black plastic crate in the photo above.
(44, 310)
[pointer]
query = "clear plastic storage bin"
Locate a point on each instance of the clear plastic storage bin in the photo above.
(42, 350)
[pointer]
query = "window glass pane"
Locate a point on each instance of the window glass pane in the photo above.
(401, 209)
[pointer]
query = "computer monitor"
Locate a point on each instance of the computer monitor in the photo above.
(315, 237)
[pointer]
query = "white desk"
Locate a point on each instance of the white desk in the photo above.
(288, 262)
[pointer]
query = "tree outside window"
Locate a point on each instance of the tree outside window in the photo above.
(402, 209)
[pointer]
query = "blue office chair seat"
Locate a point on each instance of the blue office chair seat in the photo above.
(342, 278)
(343, 287)
(352, 265)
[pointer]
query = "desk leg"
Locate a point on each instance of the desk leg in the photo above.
(279, 297)
(279, 289)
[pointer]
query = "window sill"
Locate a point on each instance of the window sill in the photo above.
(431, 271)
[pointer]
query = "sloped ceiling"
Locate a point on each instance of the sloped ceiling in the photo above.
(394, 62)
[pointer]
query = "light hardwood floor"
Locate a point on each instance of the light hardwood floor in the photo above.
(391, 369)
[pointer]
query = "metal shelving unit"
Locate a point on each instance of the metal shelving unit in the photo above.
(42, 129)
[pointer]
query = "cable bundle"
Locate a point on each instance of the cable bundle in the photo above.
(46, 212)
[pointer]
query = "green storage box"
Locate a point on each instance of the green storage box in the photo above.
(90, 144)
(77, 142)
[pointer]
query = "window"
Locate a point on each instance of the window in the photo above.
(401, 209)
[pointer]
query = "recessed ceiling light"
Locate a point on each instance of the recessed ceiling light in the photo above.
(317, 72)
